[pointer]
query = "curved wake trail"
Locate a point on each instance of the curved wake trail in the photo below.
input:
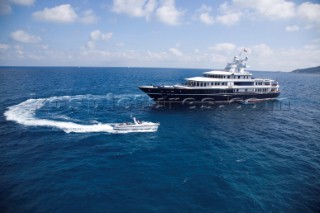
(24, 113)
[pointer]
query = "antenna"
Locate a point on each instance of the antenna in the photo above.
(243, 50)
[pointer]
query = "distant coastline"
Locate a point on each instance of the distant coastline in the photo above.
(311, 70)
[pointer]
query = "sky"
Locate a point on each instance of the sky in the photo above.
(279, 35)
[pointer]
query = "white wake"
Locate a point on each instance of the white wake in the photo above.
(25, 114)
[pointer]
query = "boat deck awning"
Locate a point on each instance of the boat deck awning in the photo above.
(223, 72)
(207, 79)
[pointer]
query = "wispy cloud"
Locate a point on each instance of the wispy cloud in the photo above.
(135, 8)
(204, 14)
(310, 14)
(5, 5)
(24, 37)
(223, 47)
(292, 28)
(226, 16)
(5, 8)
(60, 14)
(4, 46)
(97, 35)
(23, 2)
(165, 11)
(271, 9)
(169, 14)
(88, 17)
(175, 51)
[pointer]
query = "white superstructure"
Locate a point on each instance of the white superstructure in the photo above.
(232, 77)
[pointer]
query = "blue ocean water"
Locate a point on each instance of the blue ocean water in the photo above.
(238, 158)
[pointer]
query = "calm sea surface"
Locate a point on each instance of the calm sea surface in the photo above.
(58, 154)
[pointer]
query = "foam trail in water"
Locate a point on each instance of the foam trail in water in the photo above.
(24, 113)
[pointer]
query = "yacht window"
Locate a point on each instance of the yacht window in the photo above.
(239, 76)
(228, 76)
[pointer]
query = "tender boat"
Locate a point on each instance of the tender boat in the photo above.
(137, 126)
(229, 85)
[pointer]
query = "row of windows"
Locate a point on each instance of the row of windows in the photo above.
(207, 84)
(261, 83)
(223, 76)
(243, 83)
(242, 90)
(261, 90)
